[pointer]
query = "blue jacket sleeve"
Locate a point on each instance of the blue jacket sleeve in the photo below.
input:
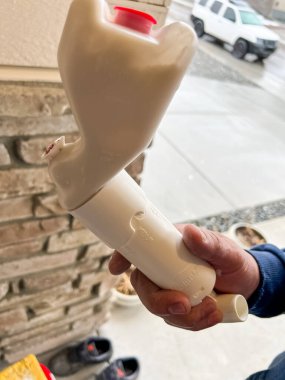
(269, 298)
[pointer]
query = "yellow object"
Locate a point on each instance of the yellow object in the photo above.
(26, 369)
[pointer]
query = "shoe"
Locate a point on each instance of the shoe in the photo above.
(70, 360)
(120, 369)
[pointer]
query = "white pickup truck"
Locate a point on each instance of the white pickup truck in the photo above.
(236, 23)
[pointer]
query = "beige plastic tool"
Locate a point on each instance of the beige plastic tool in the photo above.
(119, 77)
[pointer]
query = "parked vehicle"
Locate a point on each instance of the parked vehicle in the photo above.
(236, 23)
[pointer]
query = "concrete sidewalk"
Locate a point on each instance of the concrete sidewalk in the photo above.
(219, 148)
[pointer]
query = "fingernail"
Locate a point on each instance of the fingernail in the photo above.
(177, 308)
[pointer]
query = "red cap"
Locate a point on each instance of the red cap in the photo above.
(134, 19)
(47, 372)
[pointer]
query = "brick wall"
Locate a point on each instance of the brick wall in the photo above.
(54, 284)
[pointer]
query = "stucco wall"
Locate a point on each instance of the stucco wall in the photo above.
(30, 29)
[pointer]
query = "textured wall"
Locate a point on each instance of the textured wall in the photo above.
(30, 29)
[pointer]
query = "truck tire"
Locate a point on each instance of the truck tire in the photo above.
(199, 27)
(240, 48)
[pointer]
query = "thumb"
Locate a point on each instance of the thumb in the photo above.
(213, 247)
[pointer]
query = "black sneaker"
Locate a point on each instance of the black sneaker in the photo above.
(70, 360)
(120, 369)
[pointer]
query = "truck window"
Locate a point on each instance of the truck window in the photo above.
(215, 8)
(250, 18)
(230, 14)
(203, 2)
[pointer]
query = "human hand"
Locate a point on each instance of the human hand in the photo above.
(237, 273)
